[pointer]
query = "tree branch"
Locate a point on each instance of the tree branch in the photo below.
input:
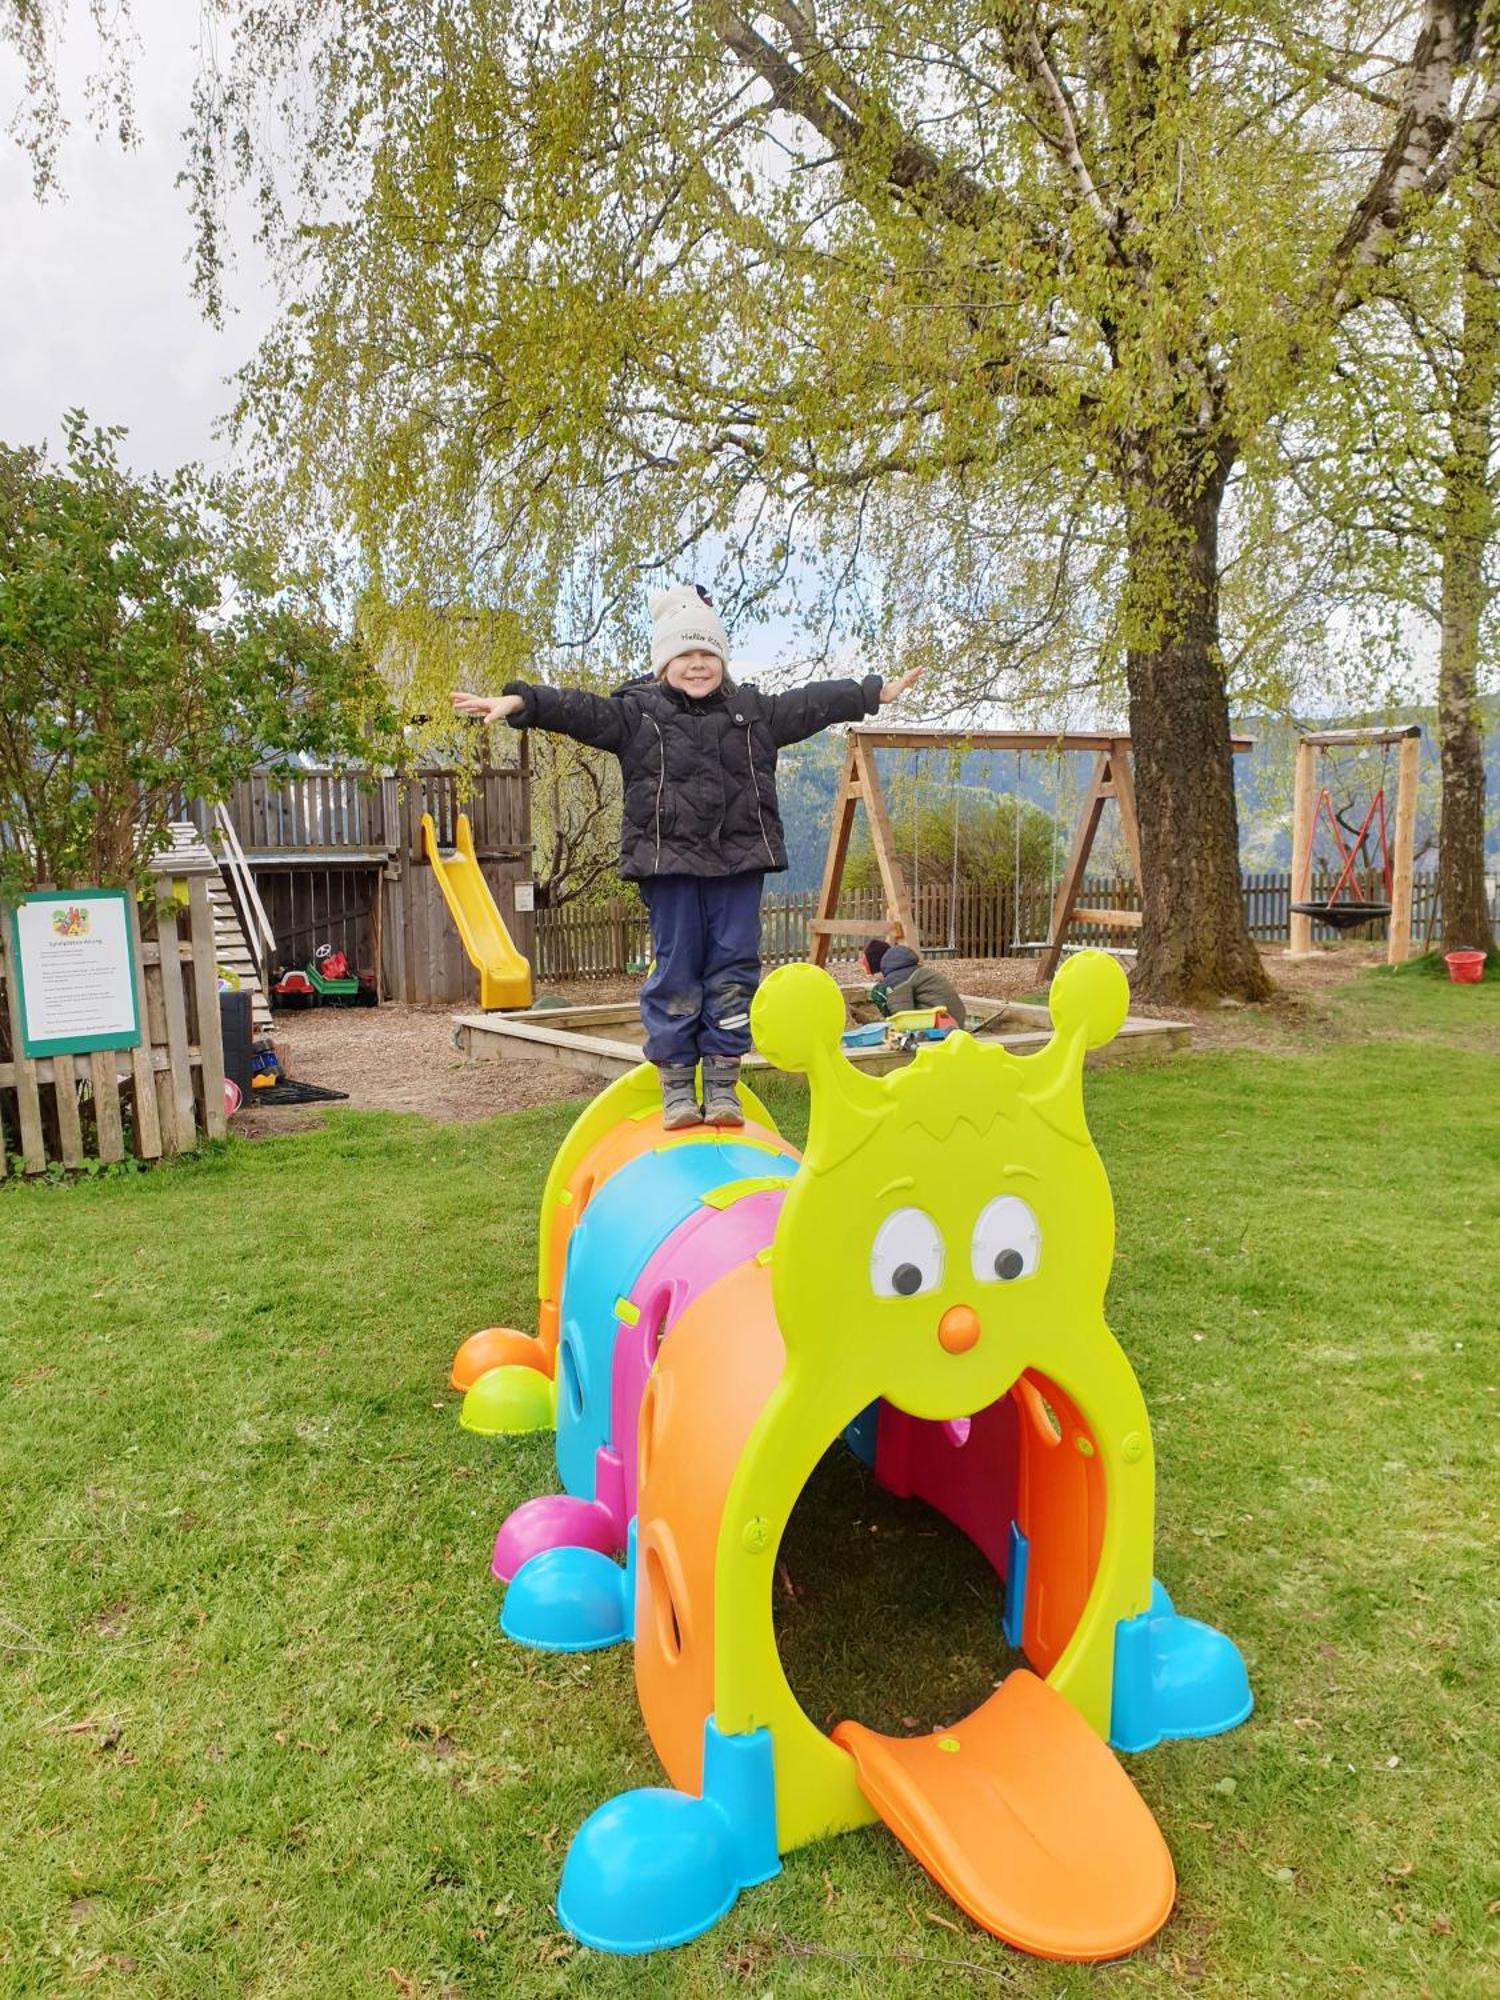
(1031, 60)
(1423, 129)
(1469, 142)
(911, 169)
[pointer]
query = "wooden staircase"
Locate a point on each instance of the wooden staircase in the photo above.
(188, 854)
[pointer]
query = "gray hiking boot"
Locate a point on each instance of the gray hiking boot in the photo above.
(679, 1102)
(721, 1104)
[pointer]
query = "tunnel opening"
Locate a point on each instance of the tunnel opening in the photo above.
(883, 1608)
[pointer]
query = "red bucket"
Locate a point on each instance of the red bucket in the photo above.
(1465, 968)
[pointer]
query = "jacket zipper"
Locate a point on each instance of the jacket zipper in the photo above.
(661, 783)
(765, 840)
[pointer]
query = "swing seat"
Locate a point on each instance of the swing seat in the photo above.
(1344, 916)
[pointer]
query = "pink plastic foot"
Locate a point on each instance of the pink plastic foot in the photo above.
(553, 1521)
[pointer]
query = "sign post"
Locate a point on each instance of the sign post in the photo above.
(75, 972)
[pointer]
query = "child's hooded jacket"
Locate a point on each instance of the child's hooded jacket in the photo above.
(699, 777)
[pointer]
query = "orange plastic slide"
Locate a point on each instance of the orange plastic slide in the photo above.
(1027, 1820)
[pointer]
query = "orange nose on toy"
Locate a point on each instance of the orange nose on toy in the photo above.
(958, 1329)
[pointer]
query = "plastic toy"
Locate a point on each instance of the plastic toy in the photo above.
(927, 1283)
(326, 982)
(903, 1030)
(504, 975)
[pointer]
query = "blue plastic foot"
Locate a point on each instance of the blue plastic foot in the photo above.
(1174, 1677)
(566, 1600)
(652, 1869)
(861, 1433)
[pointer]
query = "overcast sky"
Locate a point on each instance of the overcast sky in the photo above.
(95, 302)
(96, 307)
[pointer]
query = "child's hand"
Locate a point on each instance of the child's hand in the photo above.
(893, 690)
(485, 708)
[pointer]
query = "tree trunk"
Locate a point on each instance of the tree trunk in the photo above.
(1468, 521)
(1195, 945)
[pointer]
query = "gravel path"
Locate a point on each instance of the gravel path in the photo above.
(397, 1058)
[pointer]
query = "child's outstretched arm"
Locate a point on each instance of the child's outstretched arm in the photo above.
(587, 718)
(803, 712)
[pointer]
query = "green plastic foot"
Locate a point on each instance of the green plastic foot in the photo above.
(506, 1402)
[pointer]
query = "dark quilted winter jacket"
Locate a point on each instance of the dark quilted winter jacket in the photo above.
(699, 777)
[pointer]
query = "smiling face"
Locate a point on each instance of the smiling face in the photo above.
(952, 1240)
(948, 1216)
(697, 673)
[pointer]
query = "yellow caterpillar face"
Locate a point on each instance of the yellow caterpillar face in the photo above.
(948, 1214)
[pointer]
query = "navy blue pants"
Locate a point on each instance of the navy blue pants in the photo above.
(705, 936)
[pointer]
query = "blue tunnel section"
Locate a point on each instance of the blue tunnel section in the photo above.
(610, 1245)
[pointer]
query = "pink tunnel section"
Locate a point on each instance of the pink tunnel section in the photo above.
(967, 1471)
(1027, 1460)
(694, 1256)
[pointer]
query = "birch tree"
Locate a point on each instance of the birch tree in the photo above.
(1468, 521)
(668, 277)
(1393, 467)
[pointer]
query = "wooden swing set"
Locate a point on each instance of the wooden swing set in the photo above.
(1314, 807)
(859, 784)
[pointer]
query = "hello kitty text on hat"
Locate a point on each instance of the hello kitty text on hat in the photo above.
(684, 621)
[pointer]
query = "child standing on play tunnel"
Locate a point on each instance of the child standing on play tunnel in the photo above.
(699, 829)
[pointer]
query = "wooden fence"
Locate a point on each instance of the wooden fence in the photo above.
(281, 815)
(156, 1099)
(604, 941)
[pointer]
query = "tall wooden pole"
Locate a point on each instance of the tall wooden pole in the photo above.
(1398, 945)
(1300, 945)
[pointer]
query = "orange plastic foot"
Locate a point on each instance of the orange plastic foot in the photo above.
(497, 1347)
(1028, 1821)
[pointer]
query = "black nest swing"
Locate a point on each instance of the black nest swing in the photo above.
(1346, 916)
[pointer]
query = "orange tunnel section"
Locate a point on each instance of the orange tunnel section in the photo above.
(1060, 1509)
(711, 1381)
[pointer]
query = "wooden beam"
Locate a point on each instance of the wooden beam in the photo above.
(1122, 778)
(180, 1135)
(147, 1120)
(1005, 739)
(1326, 739)
(837, 852)
(206, 996)
(1299, 943)
(69, 1126)
(883, 841)
(1072, 881)
(109, 1129)
(333, 857)
(28, 1099)
(1398, 937)
(1113, 778)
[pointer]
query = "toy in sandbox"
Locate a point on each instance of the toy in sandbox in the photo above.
(927, 1284)
(328, 981)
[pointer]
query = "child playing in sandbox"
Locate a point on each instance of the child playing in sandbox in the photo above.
(699, 829)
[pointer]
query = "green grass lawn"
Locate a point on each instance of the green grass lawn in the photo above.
(258, 1734)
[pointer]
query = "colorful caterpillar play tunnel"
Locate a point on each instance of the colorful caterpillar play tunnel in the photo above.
(927, 1284)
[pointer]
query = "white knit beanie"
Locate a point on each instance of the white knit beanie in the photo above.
(683, 622)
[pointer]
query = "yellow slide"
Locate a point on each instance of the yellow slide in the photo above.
(504, 975)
